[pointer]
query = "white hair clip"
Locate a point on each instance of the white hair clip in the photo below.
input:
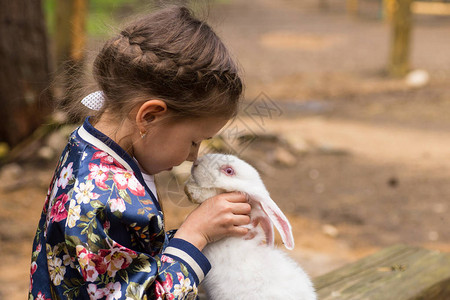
(94, 100)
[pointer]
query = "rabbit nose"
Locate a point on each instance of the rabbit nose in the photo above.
(195, 164)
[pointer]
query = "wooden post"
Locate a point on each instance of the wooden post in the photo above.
(388, 9)
(352, 7)
(70, 43)
(400, 38)
(79, 18)
(70, 30)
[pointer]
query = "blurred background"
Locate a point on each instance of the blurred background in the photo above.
(345, 114)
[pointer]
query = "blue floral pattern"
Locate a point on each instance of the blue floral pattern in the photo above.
(101, 233)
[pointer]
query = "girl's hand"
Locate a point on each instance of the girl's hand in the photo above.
(217, 217)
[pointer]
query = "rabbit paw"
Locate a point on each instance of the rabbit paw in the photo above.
(254, 229)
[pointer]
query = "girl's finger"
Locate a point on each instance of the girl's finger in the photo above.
(241, 220)
(239, 231)
(241, 209)
(236, 197)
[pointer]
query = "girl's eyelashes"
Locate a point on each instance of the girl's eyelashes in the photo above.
(196, 144)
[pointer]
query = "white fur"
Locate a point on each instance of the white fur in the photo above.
(247, 269)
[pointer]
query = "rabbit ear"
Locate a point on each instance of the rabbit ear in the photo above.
(260, 217)
(277, 218)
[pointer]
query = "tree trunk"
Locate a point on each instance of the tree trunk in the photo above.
(70, 43)
(25, 97)
(401, 38)
(70, 30)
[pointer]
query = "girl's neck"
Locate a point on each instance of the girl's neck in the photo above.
(119, 132)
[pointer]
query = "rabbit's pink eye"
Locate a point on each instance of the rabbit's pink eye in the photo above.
(228, 171)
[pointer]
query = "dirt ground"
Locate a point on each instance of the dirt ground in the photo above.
(368, 163)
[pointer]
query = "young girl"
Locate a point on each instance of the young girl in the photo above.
(167, 83)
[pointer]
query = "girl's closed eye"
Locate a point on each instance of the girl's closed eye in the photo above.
(196, 144)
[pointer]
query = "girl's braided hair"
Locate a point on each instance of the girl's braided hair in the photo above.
(172, 56)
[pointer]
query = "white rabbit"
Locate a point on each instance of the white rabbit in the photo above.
(247, 269)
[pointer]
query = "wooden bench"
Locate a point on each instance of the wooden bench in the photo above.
(399, 272)
(396, 273)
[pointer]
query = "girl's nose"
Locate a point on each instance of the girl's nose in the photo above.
(193, 155)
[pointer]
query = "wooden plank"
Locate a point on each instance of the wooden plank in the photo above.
(431, 8)
(396, 273)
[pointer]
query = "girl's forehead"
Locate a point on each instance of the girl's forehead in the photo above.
(206, 127)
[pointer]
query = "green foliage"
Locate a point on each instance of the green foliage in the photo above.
(104, 14)
(141, 264)
(49, 9)
(124, 195)
(101, 16)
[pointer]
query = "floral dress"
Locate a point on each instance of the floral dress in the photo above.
(101, 233)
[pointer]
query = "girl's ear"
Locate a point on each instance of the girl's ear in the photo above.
(148, 112)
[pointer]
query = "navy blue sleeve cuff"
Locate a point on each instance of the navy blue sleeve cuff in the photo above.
(194, 260)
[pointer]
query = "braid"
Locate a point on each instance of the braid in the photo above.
(173, 56)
